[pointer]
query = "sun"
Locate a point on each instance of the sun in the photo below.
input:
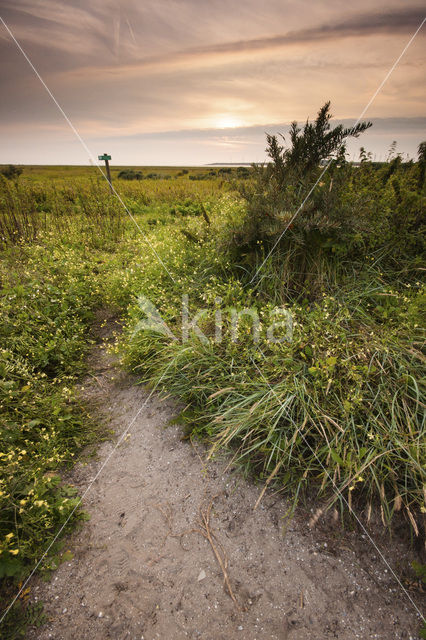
(227, 122)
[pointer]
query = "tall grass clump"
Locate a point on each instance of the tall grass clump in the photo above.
(338, 408)
(81, 210)
(19, 217)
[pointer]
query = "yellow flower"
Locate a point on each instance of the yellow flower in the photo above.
(9, 536)
(14, 551)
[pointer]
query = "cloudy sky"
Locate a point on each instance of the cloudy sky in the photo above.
(199, 81)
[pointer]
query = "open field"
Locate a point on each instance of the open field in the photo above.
(331, 415)
(40, 172)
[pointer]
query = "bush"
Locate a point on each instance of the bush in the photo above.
(351, 212)
(243, 173)
(11, 172)
(130, 174)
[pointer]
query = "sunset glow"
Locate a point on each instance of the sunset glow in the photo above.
(228, 122)
(156, 82)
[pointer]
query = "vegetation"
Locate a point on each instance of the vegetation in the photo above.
(336, 410)
(11, 172)
(129, 174)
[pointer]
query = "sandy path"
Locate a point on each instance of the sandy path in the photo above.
(130, 578)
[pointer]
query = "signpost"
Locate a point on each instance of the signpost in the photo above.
(106, 157)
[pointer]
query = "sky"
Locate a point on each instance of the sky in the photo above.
(192, 82)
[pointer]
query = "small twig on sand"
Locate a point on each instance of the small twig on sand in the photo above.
(206, 531)
(100, 383)
(218, 550)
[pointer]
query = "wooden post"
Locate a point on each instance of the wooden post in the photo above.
(106, 157)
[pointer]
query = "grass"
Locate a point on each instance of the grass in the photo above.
(340, 405)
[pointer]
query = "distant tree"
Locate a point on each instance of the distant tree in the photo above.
(243, 172)
(130, 174)
(11, 172)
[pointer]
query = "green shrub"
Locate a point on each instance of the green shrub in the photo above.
(351, 212)
(11, 172)
(130, 174)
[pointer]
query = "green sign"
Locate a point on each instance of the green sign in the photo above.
(104, 157)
